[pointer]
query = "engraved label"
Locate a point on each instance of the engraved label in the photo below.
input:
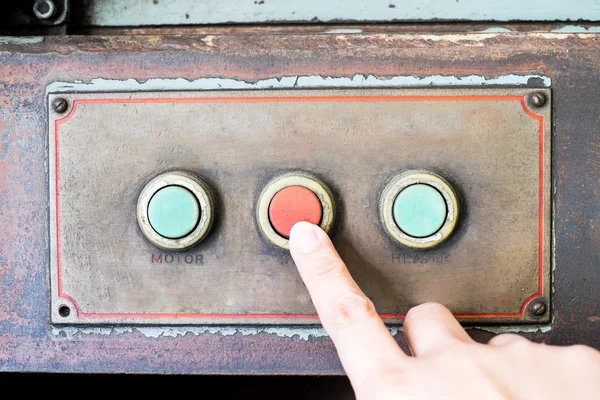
(190, 259)
(421, 258)
(397, 258)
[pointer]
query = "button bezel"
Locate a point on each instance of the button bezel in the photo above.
(203, 195)
(401, 182)
(298, 178)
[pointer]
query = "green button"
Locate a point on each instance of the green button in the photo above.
(173, 212)
(420, 210)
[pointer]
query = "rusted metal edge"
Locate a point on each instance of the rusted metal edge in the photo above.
(271, 42)
(412, 28)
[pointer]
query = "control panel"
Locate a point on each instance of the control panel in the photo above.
(176, 207)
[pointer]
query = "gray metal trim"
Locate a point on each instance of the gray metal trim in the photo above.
(193, 12)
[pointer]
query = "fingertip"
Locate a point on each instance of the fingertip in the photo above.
(430, 327)
(506, 339)
(300, 229)
(304, 237)
(430, 307)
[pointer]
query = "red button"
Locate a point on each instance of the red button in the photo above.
(294, 204)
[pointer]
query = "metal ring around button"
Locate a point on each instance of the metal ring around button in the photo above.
(293, 179)
(198, 188)
(401, 182)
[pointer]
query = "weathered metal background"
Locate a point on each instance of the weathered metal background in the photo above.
(29, 342)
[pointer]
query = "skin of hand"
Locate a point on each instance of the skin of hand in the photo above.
(446, 362)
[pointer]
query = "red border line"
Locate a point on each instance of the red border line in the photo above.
(521, 99)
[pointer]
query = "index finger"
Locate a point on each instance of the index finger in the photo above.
(360, 336)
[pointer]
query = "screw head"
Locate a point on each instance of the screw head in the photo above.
(538, 308)
(60, 105)
(538, 99)
(64, 311)
(44, 9)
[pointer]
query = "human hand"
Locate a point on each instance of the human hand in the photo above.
(446, 362)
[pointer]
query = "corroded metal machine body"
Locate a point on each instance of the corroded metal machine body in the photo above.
(509, 121)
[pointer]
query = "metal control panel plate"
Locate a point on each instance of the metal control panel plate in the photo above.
(492, 145)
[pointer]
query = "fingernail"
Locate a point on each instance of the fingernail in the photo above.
(304, 237)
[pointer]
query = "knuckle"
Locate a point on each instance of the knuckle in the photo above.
(349, 310)
(510, 339)
(523, 345)
(500, 339)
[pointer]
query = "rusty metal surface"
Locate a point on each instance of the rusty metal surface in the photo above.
(28, 341)
(409, 28)
(489, 143)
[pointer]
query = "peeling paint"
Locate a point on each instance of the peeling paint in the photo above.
(496, 29)
(303, 333)
(312, 81)
(21, 39)
(73, 332)
(455, 38)
(562, 29)
(208, 40)
(559, 35)
(512, 329)
(577, 29)
(344, 31)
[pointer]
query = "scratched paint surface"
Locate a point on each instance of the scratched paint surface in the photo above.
(29, 342)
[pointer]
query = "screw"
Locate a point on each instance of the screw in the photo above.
(60, 105)
(538, 99)
(538, 308)
(44, 9)
(64, 311)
